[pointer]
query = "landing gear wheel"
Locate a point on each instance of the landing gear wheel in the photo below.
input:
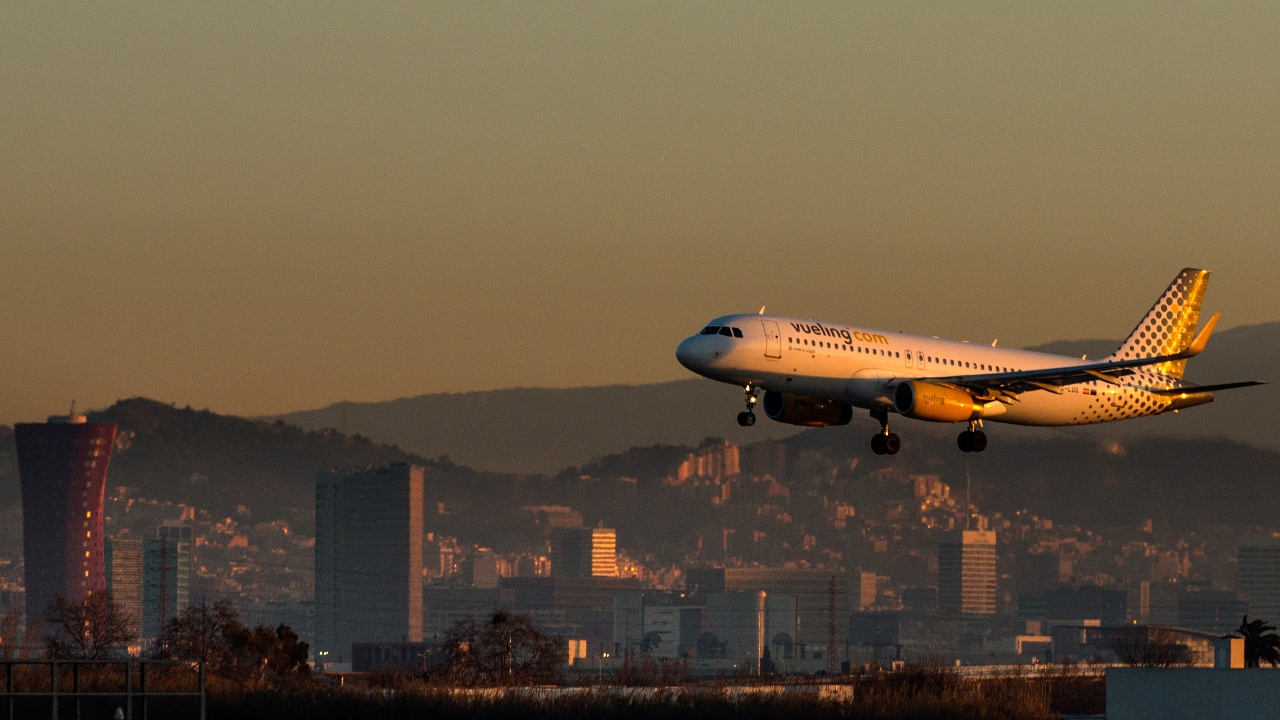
(886, 444)
(965, 441)
(978, 441)
(892, 444)
(747, 418)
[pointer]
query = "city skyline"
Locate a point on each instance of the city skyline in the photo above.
(230, 209)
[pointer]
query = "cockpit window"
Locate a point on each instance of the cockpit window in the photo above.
(737, 333)
(711, 330)
(726, 332)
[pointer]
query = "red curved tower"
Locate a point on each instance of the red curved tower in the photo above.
(62, 465)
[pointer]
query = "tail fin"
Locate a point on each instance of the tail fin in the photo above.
(1170, 325)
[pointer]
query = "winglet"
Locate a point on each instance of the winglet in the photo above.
(761, 309)
(1197, 345)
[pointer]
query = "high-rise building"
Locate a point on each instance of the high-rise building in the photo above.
(166, 577)
(583, 552)
(149, 579)
(1258, 579)
(967, 572)
(866, 590)
(368, 559)
(604, 552)
(123, 567)
(62, 465)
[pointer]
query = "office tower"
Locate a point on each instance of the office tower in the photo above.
(123, 567)
(166, 577)
(866, 590)
(62, 466)
(582, 552)
(368, 558)
(967, 572)
(604, 552)
(1258, 579)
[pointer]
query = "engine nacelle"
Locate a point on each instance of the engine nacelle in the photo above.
(807, 410)
(931, 401)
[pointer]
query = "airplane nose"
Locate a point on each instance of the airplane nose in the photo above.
(687, 353)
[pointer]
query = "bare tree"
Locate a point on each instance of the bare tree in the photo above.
(94, 628)
(214, 634)
(1149, 646)
(201, 632)
(503, 648)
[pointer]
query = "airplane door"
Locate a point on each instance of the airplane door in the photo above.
(908, 354)
(772, 340)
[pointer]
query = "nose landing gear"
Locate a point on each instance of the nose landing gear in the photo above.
(884, 442)
(747, 417)
(972, 440)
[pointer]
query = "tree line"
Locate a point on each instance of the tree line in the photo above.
(98, 628)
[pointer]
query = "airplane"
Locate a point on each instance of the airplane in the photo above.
(814, 374)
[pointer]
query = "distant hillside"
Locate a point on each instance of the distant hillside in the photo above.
(543, 430)
(532, 430)
(1098, 479)
(219, 461)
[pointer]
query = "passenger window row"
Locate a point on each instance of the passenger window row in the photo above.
(724, 330)
(839, 346)
(887, 353)
(966, 364)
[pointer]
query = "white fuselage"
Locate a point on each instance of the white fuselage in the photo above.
(858, 366)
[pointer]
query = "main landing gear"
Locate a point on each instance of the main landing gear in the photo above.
(972, 440)
(884, 442)
(747, 417)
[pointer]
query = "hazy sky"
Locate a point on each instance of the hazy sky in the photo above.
(260, 207)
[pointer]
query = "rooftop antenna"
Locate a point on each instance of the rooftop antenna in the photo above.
(73, 409)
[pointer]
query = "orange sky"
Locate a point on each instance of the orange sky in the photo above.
(261, 207)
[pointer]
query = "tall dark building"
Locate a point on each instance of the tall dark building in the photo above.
(967, 572)
(368, 559)
(62, 465)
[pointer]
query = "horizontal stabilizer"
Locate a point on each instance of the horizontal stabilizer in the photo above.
(1193, 389)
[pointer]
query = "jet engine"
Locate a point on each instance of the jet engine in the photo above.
(931, 401)
(807, 410)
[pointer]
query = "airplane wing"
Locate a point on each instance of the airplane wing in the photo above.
(1006, 387)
